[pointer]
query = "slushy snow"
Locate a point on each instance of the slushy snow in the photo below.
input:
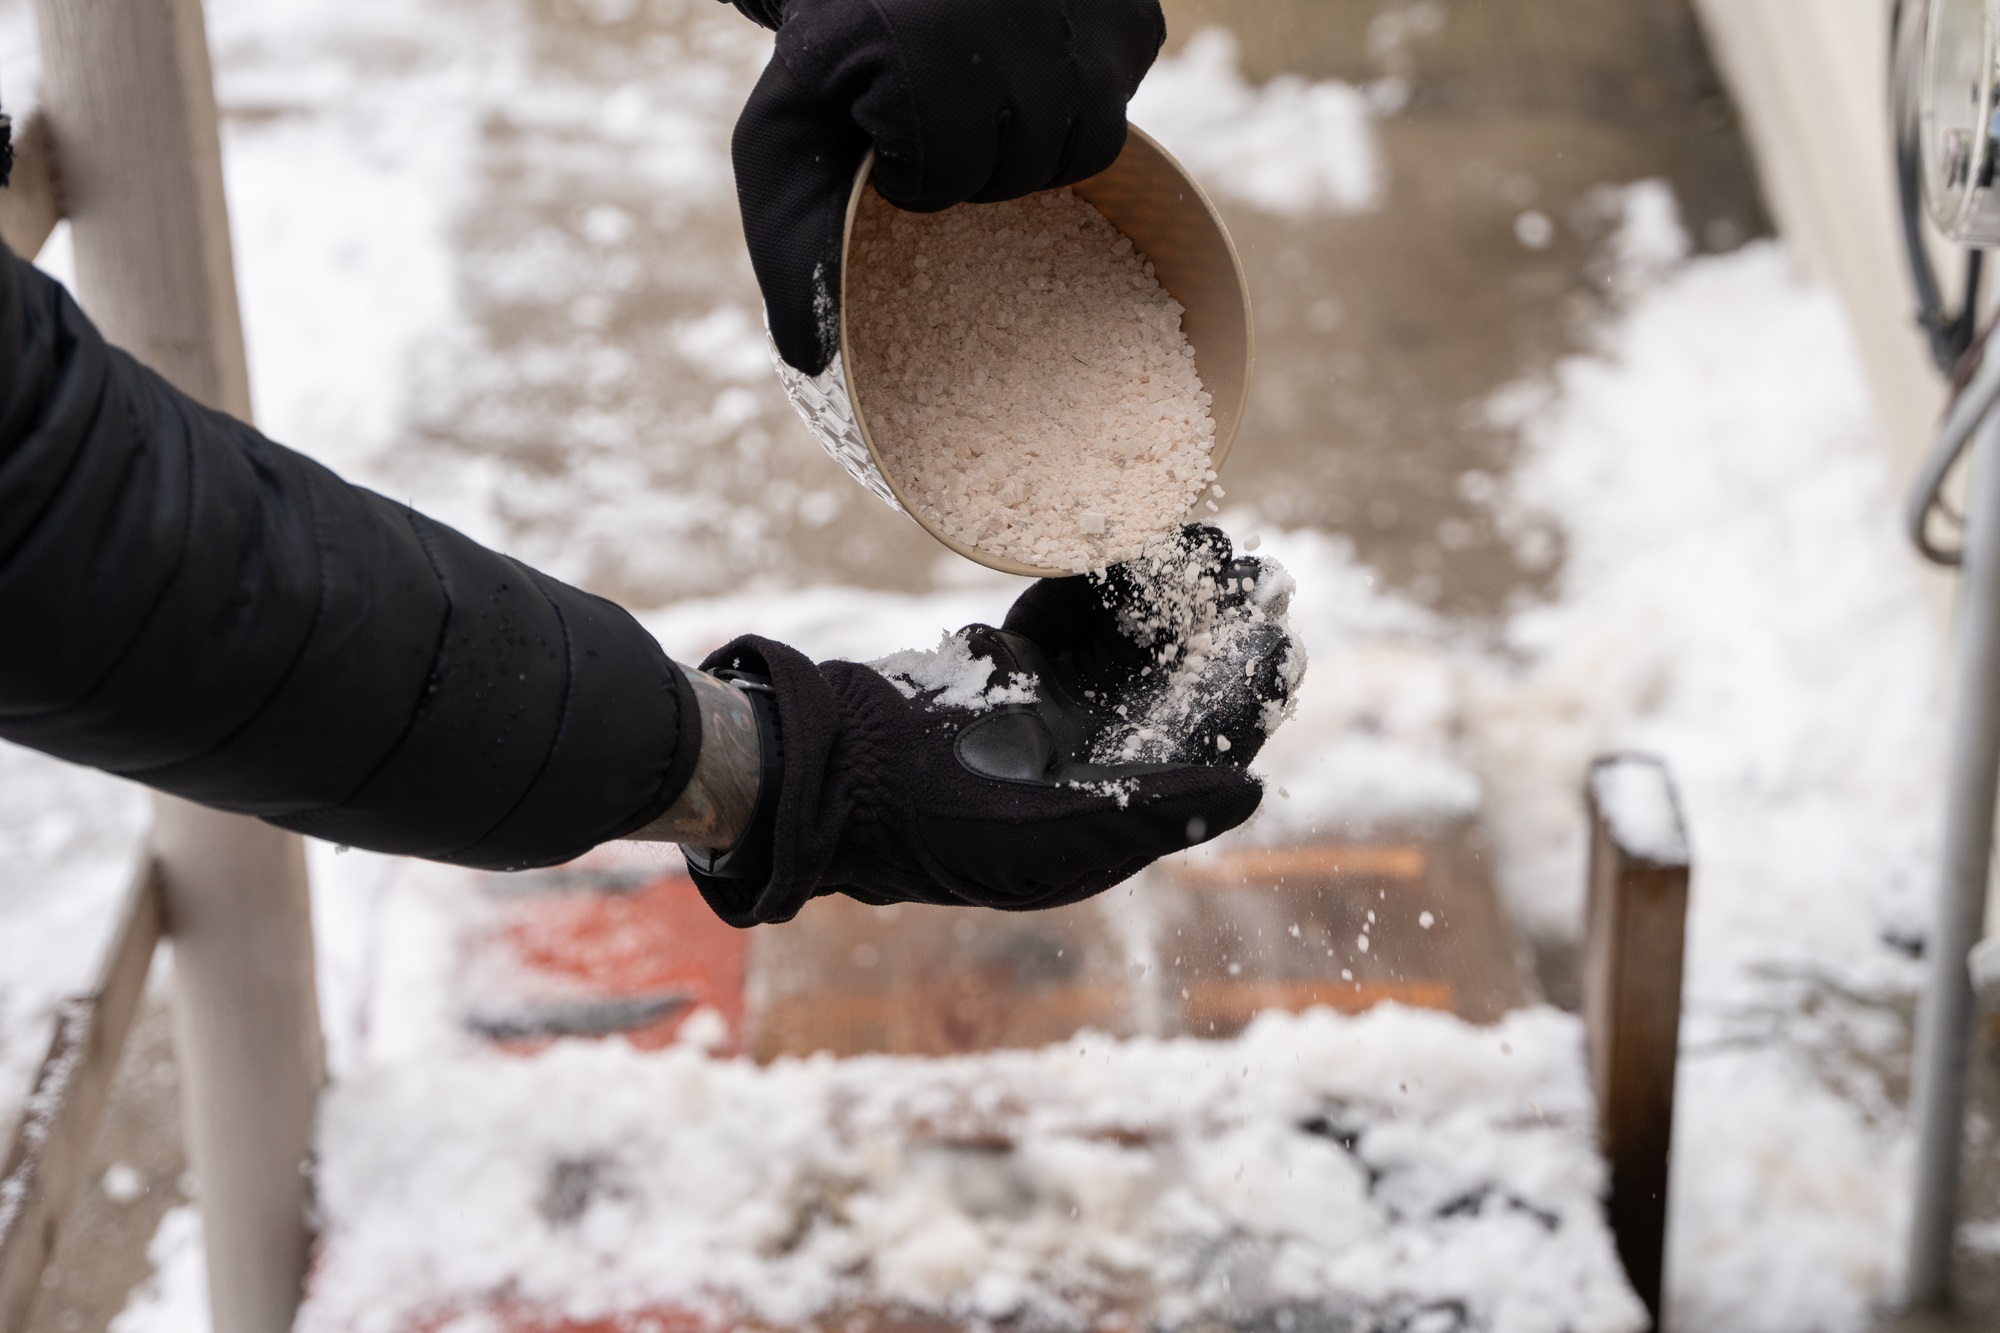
(1400, 1169)
(174, 1299)
(1293, 146)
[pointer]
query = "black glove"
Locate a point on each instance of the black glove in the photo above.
(1186, 648)
(1025, 797)
(962, 100)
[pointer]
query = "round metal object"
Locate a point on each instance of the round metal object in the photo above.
(1149, 197)
(1958, 121)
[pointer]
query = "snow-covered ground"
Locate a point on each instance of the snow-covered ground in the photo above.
(1307, 1162)
(1733, 596)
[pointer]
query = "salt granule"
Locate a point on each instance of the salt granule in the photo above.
(1214, 632)
(1025, 378)
(952, 675)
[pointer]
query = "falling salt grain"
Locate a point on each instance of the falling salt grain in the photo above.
(1425, 919)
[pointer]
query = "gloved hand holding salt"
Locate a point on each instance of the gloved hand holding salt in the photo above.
(1046, 384)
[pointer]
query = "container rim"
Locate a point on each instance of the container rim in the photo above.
(1225, 431)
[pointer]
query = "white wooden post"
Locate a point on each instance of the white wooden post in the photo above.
(131, 112)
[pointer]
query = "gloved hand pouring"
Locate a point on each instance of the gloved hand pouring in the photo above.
(197, 608)
(962, 100)
(1005, 769)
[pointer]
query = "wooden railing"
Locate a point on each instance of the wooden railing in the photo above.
(126, 149)
(45, 1167)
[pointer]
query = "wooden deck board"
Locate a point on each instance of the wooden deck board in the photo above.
(1195, 949)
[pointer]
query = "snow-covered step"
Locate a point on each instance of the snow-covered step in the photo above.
(1198, 947)
(614, 944)
(1032, 1127)
(1399, 1168)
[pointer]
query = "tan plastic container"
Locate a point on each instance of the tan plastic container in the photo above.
(1149, 197)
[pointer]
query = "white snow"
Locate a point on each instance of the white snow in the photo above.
(122, 1183)
(174, 1299)
(1984, 965)
(1636, 796)
(951, 675)
(727, 343)
(1734, 598)
(1292, 146)
(1649, 239)
(1055, 1182)
(70, 838)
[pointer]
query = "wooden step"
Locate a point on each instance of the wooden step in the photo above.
(618, 944)
(1196, 947)
(613, 944)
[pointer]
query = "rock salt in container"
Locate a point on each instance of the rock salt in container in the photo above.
(1035, 435)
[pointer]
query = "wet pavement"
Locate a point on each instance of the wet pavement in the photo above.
(617, 392)
(623, 431)
(1382, 335)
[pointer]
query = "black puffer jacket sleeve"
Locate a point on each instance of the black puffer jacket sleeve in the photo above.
(189, 605)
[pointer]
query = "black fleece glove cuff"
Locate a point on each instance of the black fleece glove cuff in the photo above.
(961, 100)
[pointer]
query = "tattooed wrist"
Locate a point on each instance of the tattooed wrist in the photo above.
(714, 809)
